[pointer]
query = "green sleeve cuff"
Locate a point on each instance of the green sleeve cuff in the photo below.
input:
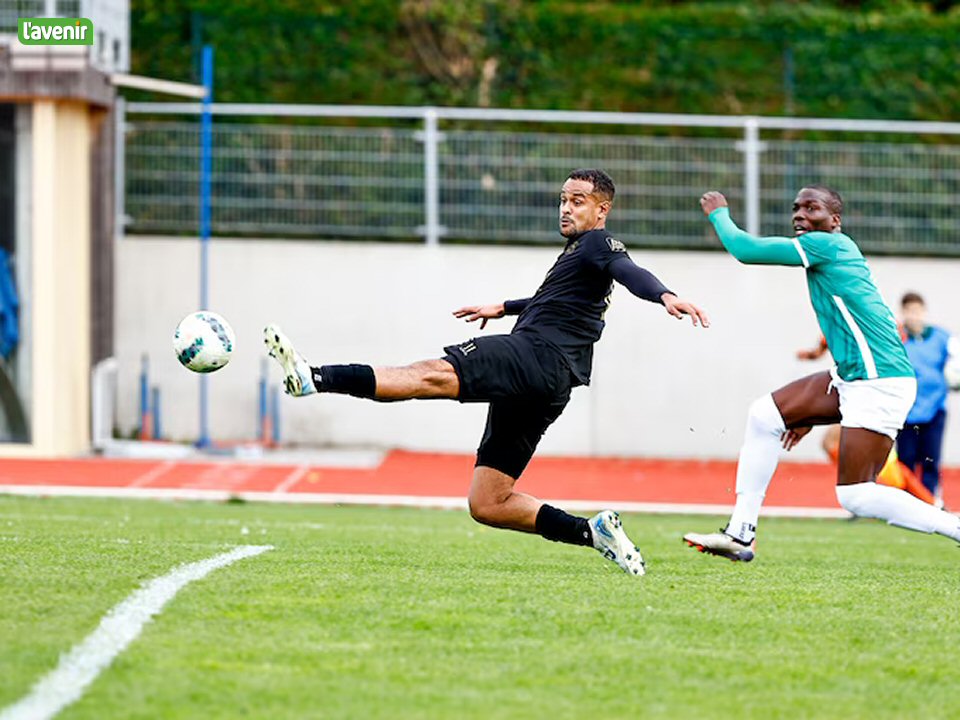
(718, 212)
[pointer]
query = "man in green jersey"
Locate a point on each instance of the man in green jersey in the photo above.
(869, 391)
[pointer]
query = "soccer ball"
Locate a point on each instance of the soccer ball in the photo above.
(203, 341)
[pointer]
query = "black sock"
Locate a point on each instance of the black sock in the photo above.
(356, 380)
(554, 524)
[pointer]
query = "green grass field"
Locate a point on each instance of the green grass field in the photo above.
(390, 613)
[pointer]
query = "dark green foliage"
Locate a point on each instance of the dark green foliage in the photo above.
(887, 59)
(876, 60)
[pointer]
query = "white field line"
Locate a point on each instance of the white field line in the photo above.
(292, 479)
(450, 503)
(150, 475)
(117, 629)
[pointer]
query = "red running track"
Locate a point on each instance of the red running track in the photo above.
(438, 479)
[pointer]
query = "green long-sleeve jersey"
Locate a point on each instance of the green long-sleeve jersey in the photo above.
(857, 323)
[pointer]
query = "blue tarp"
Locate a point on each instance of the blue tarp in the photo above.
(9, 308)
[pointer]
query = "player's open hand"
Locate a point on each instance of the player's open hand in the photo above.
(678, 308)
(794, 435)
(472, 313)
(712, 200)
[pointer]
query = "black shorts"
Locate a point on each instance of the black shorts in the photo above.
(527, 383)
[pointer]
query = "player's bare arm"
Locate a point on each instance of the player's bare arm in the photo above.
(678, 308)
(644, 284)
(484, 313)
(792, 436)
(712, 200)
(814, 353)
(472, 313)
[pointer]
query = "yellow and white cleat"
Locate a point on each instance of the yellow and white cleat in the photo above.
(297, 375)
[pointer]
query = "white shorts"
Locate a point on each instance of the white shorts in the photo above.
(880, 404)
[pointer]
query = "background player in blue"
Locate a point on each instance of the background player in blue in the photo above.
(931, 350)
(525, 376)
(869, 392)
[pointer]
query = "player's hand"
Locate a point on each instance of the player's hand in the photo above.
(791, 437)
(808, 354)
(472, 313)
(678, 308)
(712, 200)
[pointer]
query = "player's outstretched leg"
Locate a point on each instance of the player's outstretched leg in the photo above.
(861, 451)
(424, 379)
(897, 507)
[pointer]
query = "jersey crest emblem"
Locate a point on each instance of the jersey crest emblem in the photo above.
(616, 245)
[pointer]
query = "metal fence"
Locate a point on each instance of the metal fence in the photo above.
(430, 173)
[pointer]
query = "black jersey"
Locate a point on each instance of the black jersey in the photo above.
(567, 309)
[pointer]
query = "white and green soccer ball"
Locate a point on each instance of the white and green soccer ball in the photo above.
(203, 341)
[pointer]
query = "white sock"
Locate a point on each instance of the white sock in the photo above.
(898, 508)
(758, 461)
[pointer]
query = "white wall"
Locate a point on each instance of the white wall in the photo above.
(661, 388)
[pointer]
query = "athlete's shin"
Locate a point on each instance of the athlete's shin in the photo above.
(758, 461)
(556, 525)
(356, 380)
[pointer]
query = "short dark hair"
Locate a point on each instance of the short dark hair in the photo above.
(835, 203)
(911, 297)
(602, 183)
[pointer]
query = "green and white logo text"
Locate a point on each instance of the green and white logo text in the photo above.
(55, 31)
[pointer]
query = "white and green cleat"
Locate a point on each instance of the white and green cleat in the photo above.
(722, 545)
(612, 542)
(297, 376)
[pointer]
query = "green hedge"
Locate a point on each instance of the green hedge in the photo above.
(704, 57)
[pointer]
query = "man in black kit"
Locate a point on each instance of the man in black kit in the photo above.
(525, 376)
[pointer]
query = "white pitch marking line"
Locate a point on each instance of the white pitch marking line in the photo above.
(292, 479)
(117, 629)
(150, 475)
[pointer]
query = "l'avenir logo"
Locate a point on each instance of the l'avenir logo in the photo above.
(55, 31)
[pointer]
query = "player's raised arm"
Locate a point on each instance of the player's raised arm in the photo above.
(645, 285)
(747, 248)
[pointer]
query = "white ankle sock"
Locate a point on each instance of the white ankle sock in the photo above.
(759, 456)
(898, 508)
